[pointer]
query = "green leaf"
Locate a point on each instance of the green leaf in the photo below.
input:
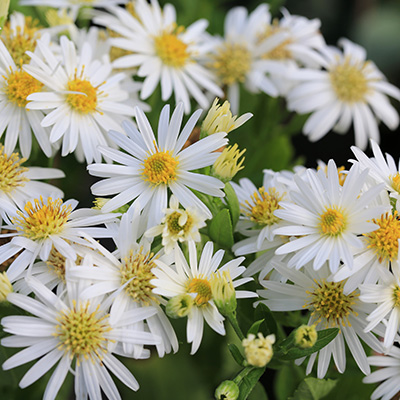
(264, 313)
(255, 327)
(288, 378)
(313, 389)
(233, 203)
(236, 354)
(249, 381)
(220, 229)
(258, 393)
(289, 351)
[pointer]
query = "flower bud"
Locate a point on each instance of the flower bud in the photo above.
(258, 350)
(223, 293)
(227, 390)
(305, 336)
(5, 286)
(228, 164)
(179, 306)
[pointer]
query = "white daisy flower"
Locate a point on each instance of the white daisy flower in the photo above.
(85, 99)
(75, 335)
(386, 296)
(326, 218)
(163, 52)
(195, 279)
(388, 374)
(178, 225)
(330, 308)
(349, 90)
(237, 57)
(152, 166)
(380, 169)
(16, 121)
(128, 272)
(46, 223)
(18, 183)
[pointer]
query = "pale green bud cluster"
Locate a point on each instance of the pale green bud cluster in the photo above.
(223, 293)
(179, 306)
(258, 350)
(227, 390)
(305, 336)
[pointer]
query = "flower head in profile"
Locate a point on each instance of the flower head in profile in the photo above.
(178, 225)
(164, 52)
(350, 90)
(72, 334)
(148, 168)
(196, 279)
(85, 99)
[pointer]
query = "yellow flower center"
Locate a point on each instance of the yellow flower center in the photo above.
(203, 289)
(19, 86)
(396, 296)
(280, 52)
(11, 171)
(136, 268)
(81, 332)
(87, 101)
(20, 40)
(160, 167)
(42, 219)
(384, 241)
(349, 82)
(231, 63)
(332, 222)
(173, 223)
(260, 209)
(329, 303)
(172, 51)
(395, 180)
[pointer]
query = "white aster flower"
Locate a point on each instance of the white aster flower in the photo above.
(127, 272)
(178, 225)
(195, 278)
(349, 90)
(330, 308)
(85, 99)
(388, 374)
(326, 218)
(386, 296)
(75, 335)
(163, 52)
(152, 166)
(18, 183)
(46, 223)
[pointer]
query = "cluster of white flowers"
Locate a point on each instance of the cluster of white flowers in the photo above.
(322, 240)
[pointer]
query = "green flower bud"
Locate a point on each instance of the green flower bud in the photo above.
(179, 306)
(223, 293)
(227, 390)
(4, 4)
(305, 336)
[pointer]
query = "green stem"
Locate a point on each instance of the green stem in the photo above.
(242, 374)
(233, 321)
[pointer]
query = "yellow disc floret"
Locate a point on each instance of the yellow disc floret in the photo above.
(81, 332)
(231, 63)
(328, 302)
(42, 219)
(86, 100)
(332, 222)
(179, 221)
(12, 174)
(203, 289)
(260, 209)
(384, 241)
(160, 167)
(136, 270)
(172, 50)
(349, 82)
(21, 39)
(19, 85)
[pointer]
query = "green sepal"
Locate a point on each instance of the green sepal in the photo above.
(254, 329)
(220, 229)
(233, 203)
(236, 354)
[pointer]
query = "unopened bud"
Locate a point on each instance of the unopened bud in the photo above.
(258, 350)
(228, 164)
(305, 336)
(223, 293)
(179, 306)
(5, 286)
(227, 390)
